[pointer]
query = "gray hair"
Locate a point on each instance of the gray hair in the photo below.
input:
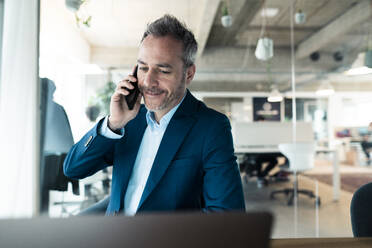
(169, 25)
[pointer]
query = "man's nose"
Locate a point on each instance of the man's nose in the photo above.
(151, 79)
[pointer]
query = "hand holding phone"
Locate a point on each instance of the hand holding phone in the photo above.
(122, 111)
(133, 93)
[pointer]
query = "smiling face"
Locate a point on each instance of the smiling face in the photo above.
(162, 77)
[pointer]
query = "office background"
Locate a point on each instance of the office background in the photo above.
(83, 50)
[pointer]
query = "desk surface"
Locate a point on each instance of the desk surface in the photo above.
(257, 149)
(322, 242)
(275, 149)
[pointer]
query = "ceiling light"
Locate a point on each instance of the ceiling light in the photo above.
(264, 49)
(325, 89)
(363, 70)
(269, 12)
(247, 107)
(275, 95)
(359, 66)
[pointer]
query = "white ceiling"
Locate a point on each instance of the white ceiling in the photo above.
(118, 23)
(226, 55)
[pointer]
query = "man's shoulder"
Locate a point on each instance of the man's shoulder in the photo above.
(210, 115)
(199, 110)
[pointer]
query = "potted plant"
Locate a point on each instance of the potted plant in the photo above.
(300, 17)
(92, 112)
(226, 18)
(102, 99)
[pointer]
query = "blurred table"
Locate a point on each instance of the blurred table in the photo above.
(322, 242)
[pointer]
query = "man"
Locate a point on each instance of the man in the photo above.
(172, 154)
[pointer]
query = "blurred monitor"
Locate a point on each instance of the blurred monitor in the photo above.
(193, 230)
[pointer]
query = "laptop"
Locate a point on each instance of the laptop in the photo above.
(191, 230)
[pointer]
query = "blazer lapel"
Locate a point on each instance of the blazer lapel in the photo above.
(174, 135)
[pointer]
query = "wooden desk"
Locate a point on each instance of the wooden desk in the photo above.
(322, 242)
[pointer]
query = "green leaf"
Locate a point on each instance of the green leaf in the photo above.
(225, 10)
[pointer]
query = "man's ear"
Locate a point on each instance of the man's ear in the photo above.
(190, 72)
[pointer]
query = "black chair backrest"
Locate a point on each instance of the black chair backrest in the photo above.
(361, 211)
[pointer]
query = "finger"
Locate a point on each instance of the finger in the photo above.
(125, 84)
(132, 78)
(116, 97)
(122, 91)
(125, 104)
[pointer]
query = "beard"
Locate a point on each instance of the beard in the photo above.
(170, 99)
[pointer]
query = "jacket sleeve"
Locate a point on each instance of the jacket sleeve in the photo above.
(222, 187)
(92, 153)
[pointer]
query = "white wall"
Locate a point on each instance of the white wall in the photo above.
(242, 111)
(352, 109)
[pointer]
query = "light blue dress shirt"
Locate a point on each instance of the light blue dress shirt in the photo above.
(145, 157)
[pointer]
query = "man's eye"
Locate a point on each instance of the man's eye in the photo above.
(165, 72)
(143, 68)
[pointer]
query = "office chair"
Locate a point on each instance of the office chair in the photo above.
(301, 158)
(361, 211)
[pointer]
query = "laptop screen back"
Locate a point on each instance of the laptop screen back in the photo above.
(231, 230)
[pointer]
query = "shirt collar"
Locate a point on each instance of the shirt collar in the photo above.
(164, 121)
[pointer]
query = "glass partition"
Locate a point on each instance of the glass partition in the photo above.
(284, 72)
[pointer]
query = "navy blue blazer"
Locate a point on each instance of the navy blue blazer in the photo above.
(194, 168)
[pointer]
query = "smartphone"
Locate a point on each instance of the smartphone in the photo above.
(133, 93)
